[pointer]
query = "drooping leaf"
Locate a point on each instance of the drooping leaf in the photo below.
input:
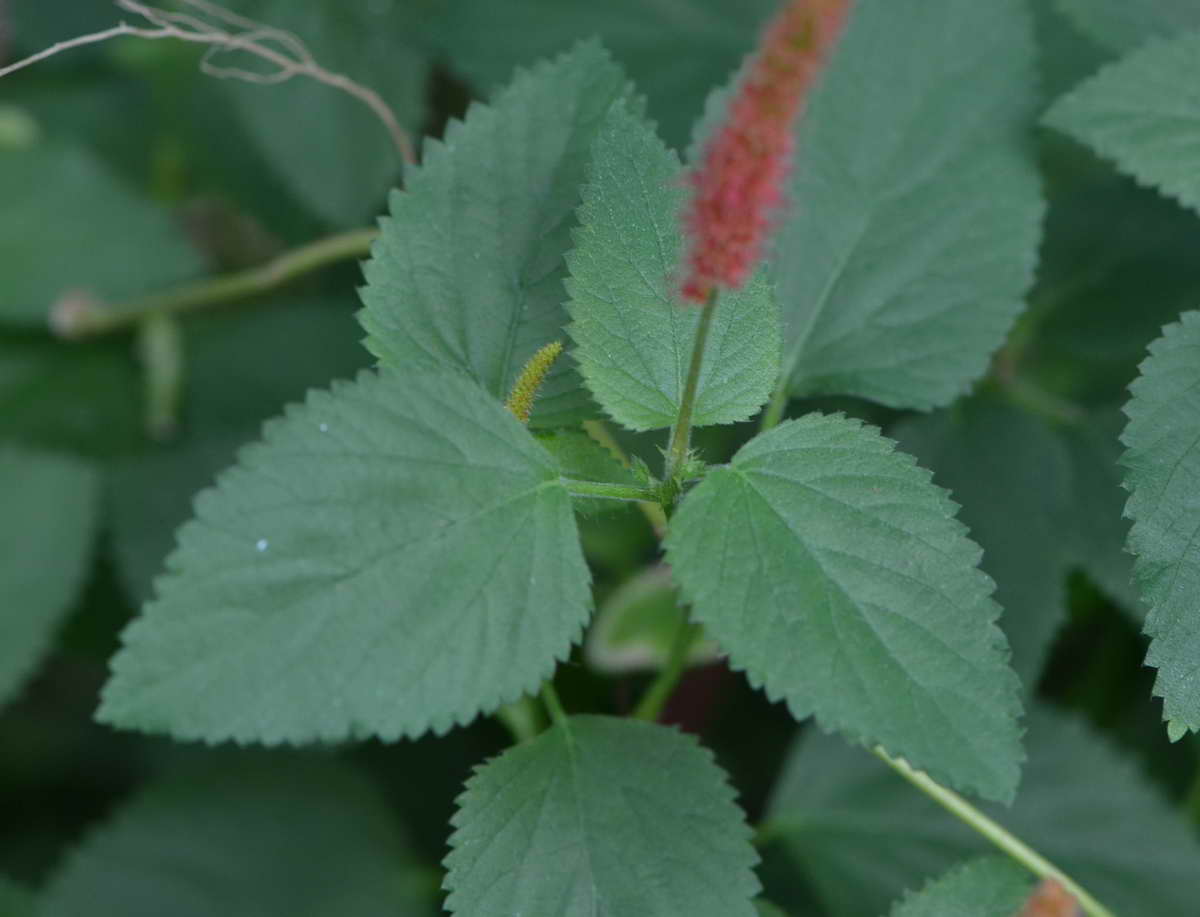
(231, 390)
(674, 52)
(834, 573)
(915, 207)
(633, 336)
(266, 837)
(1122, 26)
(1163, 478)
(68, 228)
(468, 272)
(46, 527)
(332, 150)
(636, 626)
(862, 834)
(1143, 112)
(601, 816)
(988, 887)
(397, 555)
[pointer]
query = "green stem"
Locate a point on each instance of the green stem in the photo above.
(610, 491)
(774, 411)
(558, 716)
(652, 510)
(97, 319)
(682, 433)
(973, 818)
(522, 718)
(651, 705)
(160, 349)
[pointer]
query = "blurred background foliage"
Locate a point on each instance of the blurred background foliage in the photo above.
(124, 171)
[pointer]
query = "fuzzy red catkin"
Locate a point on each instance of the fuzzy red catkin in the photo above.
(738, 182)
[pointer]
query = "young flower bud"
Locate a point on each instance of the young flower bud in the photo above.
(525, 389)
(738, 181)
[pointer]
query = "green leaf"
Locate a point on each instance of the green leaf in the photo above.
(397, 555)
(582, 458)
(233, 386)
(633, 336)
(862, 834)
(1163, 478)
(914, 226)
(1122, 25)
(1093, 317)
(1143, 112)
(15, 900)
(1012, 474)
(1097, 500)
(46, 530)
(332, 150)
(833, 572)
(71, 229)
(601, 816)
(81, 396)
(636, 626)
(703, 41)
(990, 887)
(766, 909)
(1040, 498)
(468, 271)
(256, 837)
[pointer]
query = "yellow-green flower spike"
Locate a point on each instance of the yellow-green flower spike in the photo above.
(525, 389)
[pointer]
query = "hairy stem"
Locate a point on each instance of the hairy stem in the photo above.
(976, 820)
(610, 491)
(651, 509)
(682, 432)
(71, 319)
(651, 705)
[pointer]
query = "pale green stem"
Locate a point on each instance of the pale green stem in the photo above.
(651, 705)
(973, 818)
(72, 321)
(774, 412)
(609, 491)
(682, 432)
(522, 718)
(558, 716)
(651, 509)
(160, 350)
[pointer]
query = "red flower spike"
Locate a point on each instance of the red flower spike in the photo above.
(738, 182)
